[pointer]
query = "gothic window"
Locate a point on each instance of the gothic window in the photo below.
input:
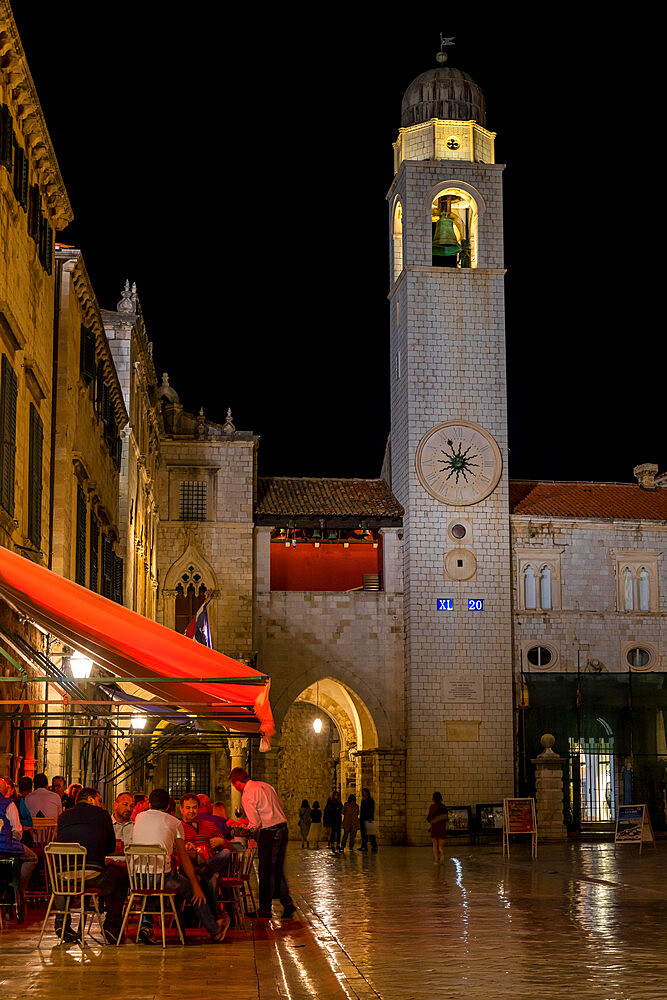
(454, 217)
(628, 590)
(539, 578)
(398, 239)
(529, 589)
(644, 589)
(545, 588)
(637, 577)
(193, 501)
(190, 595)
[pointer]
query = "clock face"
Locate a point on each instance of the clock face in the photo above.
(458, 463)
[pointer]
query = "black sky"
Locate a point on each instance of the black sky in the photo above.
(237, 171)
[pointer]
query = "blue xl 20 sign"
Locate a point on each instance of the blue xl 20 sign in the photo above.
(447, 604)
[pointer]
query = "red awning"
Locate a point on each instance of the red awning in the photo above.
(132, 646)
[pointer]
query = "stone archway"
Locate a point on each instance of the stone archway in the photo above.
(345, 756)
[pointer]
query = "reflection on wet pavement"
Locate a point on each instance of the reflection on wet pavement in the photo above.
(578, 922)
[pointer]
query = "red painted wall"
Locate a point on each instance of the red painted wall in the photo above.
(329, 567)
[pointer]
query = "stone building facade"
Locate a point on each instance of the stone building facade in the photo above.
(421, 630)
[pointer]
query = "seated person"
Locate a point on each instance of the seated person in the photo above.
(89, 824)
(11, 832)
(42, 802)
(69, 798)
(122, 823)
(208, 851)
(155, 826)
(206, 813)
(24, 813)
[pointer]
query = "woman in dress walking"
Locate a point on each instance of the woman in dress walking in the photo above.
(315, 834)
(350, 822)
(437, 818)
(304, 823)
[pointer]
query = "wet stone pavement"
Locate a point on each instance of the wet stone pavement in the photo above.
(577, 923)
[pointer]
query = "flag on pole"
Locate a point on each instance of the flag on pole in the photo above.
(199, 628)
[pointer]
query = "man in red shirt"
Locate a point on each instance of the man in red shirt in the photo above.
(209, 852)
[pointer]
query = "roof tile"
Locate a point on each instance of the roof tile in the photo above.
(286, 496)
(615, 501)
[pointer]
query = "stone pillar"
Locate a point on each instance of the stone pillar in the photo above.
(5, 762)
(549, 792)
(238, 752)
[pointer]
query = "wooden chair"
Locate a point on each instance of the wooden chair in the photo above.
(67, 872)
(232, 889)
(43, 830)
(243, 869)
(147, 865)
(10, 871)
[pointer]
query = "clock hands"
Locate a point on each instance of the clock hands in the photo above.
(458, 462)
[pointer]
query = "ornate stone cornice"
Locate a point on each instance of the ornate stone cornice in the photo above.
(29, 118)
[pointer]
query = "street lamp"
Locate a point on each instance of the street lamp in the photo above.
(317, 722)
(138, 721)
(80, 666)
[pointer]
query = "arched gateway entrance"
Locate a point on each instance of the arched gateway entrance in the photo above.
(345, 755)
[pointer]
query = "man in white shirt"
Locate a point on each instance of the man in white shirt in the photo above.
(265, 813)
(123, 826)
(156, 826)
(10, 837)
(42, 802)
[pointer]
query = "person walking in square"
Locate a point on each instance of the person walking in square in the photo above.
(333, 818)
(367, 820)
(350, 822)
(304, 823)
(266, 814)
(315, 834)
(437, 818)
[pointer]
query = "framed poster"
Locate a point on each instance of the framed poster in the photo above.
(633, 826)
(458, 819)
(489, 817)
(519, 817)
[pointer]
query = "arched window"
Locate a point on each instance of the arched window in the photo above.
(454, 217)
(529, 589)
(628, 590)
(545, 588)
(189, 598)
(644, 591)
(398, 239)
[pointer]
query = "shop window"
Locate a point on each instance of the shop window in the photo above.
(454, 217)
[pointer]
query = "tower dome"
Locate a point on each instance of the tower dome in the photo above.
(443, 92)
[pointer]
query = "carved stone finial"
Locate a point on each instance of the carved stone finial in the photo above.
(200, 427)
(165, 379)
(127, 300)
(646, 474)
(228, 427)
(548, 753)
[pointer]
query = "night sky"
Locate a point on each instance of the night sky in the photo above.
(237, 171)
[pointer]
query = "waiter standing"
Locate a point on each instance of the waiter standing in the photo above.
(266, 814)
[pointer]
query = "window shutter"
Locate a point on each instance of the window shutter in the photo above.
(8, 397)
(99, 391)
(117, 579)
(48, 249)
(107, 567)
(35, 478)
(105, 407)
(93, 573)
(87, 355)
(6, 137)
(34, 212)
(81, 511)
(25, 182)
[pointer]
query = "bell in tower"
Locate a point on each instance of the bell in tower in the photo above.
(446, 246)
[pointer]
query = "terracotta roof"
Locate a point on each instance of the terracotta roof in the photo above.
(617, 501)
(363, 499)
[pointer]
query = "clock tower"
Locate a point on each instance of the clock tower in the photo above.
(449, 445)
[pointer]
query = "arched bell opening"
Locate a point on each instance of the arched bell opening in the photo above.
(454, 217)
(397, 239)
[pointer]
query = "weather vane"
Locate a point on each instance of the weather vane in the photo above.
(442, 56)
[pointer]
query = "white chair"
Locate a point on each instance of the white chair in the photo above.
(147, 865)
(66, 867)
